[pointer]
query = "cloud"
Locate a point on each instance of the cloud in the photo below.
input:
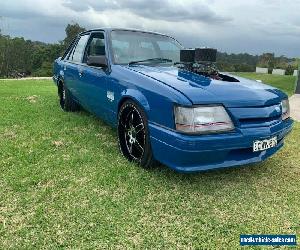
(168, 10)
(253, 26)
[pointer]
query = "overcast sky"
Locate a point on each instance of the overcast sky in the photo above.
(254, 26)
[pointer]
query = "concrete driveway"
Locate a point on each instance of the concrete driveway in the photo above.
(295, 107)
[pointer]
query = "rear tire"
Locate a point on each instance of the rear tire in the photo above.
(66, 101)
(133, 133)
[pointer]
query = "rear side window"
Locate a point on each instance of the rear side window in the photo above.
(79, 49)
(69, 49)
(69, 53)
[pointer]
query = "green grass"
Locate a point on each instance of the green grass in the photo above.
(64, 184)
(285, 83)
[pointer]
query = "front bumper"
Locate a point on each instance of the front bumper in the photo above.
(190, 153)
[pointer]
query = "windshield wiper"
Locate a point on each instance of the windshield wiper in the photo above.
(158, 60)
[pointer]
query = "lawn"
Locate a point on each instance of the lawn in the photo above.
(285, 83)
(64, 184)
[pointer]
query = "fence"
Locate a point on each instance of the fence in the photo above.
(278, 72)
(261, 70)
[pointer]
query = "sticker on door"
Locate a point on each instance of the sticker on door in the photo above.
(110, 96)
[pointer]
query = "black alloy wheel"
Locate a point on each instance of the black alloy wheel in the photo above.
(66, 100)
(62, 97)
(133, 135)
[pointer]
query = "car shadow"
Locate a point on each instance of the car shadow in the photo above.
(209, 179)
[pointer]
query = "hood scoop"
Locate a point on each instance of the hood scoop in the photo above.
(202, 61)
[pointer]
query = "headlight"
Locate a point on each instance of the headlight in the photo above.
(205, 119)
(285, 109)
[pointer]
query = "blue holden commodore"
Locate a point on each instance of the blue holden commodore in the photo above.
(170, 104)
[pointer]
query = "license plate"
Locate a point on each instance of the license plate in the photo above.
(264, 144)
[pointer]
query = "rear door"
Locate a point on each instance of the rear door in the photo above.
(72, 69)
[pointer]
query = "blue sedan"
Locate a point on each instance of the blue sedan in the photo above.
(170, 104)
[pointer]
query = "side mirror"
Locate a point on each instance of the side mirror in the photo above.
(97, 61)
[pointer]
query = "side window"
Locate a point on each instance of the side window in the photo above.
(95, 47)
(79, 49)
(71, 51)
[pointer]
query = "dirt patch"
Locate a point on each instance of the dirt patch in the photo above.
(9, 134)
(32, 99)
(58, 143)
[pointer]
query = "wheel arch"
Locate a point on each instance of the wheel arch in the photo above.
(135, 96)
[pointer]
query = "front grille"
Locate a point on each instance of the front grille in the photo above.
(257, 116)
(256, 122)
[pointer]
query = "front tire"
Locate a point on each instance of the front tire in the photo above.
(66, 101)
(133, 133)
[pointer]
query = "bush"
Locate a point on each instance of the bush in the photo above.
(45, 70)
(289, 70)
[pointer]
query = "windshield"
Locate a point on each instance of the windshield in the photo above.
(131, 46)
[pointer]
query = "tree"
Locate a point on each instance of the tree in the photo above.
(267, 60)
(72, 30)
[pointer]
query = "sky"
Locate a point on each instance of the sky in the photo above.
(233, 26)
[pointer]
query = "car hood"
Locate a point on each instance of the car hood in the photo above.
(204, 90)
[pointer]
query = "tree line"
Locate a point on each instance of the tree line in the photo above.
(247, 63)
(20, 57)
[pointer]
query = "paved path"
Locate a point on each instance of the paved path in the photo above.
(295, 107)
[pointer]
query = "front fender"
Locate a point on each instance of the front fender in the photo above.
(137, 96)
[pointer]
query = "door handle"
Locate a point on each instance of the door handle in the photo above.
(80, 73)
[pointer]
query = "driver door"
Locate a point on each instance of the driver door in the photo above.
(94, 80)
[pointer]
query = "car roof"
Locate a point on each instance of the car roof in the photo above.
(122, 29)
